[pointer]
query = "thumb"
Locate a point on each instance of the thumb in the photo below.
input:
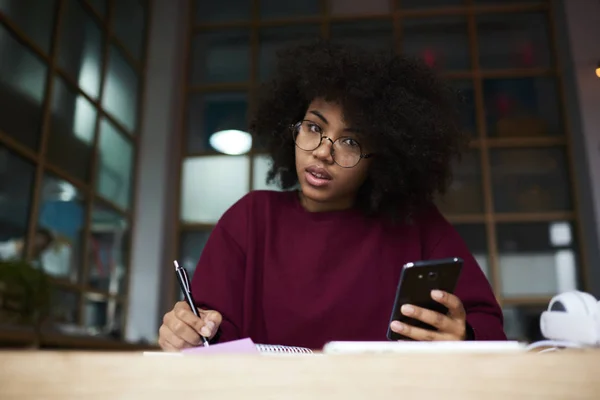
(212, 320)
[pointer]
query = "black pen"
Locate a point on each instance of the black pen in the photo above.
(184, 282)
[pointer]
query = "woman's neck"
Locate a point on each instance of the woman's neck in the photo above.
(319, 206)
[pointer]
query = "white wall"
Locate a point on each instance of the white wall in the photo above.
(155, 186)
(580, 55)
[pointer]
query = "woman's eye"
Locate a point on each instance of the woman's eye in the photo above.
(314, 128)
(350, 142)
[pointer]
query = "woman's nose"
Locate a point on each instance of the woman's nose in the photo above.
(324, 150)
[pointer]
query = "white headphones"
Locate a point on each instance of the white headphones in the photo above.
(572, 317)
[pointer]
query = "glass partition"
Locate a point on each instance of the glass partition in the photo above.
(70, 79)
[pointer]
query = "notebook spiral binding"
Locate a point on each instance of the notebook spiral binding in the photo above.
(274, 348)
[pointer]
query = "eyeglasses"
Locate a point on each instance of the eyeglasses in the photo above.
(345, 151)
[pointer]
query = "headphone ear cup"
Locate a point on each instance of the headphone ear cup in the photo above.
(572, 316)
(581, 329)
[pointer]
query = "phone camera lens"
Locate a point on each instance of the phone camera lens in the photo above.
(432, 276)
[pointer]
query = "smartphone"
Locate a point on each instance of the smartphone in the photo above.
(416, 282)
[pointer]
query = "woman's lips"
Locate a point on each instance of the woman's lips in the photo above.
(316, 181)
(317, 176)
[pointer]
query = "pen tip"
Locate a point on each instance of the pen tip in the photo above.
(176, 264)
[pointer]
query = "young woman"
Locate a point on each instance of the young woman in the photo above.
(364, 141)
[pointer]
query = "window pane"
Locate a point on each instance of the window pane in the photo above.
(475, 237)
(442, 42)
(102, 317)
(22, 86)
(513, 40)
(288, 9)
(120, 95)
(537, 259)
(64, 311)
(465, 195)
(16, 182)
(522, 107)
(72, 131)
(368, 34)
(503, 2)
(261, 167)
(62, 211)
(191, 246)
(224, 10)
(372, 7)
(210, 113)
(109, 250)
(80, 50)
(221, 56)
(130, 25)
(467, 105)
(99, 5)
(115, 169)
(530, 180)
(522, 323)
(276, 38)
(34, 17)
(430, 3)
(210, 185)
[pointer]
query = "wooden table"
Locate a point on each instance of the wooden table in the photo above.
(68, 375)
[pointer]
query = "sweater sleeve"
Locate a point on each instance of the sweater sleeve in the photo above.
(484, 315)
(218, 281)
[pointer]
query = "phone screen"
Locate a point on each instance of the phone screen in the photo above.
(417, 280)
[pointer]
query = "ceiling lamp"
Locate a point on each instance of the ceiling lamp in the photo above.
(598, 70)
(231, 141)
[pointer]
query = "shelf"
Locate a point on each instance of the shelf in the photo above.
(59, 340)
(15, 336)
(11, 336)
(526, 300)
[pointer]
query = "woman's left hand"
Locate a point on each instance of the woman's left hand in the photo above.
(452, 326)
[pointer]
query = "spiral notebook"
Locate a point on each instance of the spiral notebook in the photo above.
(278, 349)
(246, 346)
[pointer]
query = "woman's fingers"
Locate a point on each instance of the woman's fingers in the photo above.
(212, 321)
(170, 341)
(181, 328)
(420, 334)
(433, 318)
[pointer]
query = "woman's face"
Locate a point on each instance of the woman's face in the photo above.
(326, 185)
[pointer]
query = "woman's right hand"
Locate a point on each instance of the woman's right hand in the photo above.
(182, 329)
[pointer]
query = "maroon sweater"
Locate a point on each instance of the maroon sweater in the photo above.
(282, 275)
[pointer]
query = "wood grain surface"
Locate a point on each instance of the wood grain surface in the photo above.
(76, 375)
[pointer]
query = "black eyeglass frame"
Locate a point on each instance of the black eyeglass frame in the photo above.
(295, 127)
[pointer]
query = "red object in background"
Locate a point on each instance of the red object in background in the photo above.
(429, 57)
(503, 104)
(526, 55)
(98, 250)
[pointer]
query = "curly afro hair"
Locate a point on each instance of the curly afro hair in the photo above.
(408, 116)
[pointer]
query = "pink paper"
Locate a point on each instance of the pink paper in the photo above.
(241, 346)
